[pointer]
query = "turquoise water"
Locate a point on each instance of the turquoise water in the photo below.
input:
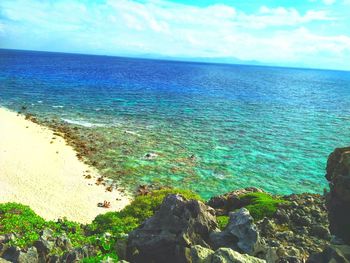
(243, 125)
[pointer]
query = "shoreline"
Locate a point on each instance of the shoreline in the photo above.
(38, 168)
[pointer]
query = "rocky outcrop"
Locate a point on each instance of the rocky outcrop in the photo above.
(338, 199)
(296, 230)
(332, 254)
(222, 255)
(223, 204)
(240, 234)
(170, 233)
(42, 250)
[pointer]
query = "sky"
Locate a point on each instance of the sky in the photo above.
(297, 33)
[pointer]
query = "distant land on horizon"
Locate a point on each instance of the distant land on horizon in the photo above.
(206, 60)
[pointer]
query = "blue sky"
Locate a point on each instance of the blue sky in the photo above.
(307, 33)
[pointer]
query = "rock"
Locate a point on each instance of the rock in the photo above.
(45, 243)
(151, 156)
(302, 224)
(320, 231)
(240, 234)
(338, 199)
(31, 256)
(283, 254)
(63, 242)
(332, 254)
(168, 235)
(226, 255)
(223, 204)
(77, 254)
(120, 247)
(201, 254)
(16, 255)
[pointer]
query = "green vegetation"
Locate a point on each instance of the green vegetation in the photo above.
(222, 221)
(26, 225)
(20, 219)
(141, 208)
(261, 205)
(103, 232)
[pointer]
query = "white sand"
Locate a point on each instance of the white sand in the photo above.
(45, 173)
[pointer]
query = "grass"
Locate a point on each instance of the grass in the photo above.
(261, 205)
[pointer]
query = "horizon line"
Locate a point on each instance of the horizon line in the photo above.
(179, 59)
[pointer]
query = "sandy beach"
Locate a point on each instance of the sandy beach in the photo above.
(39, 169)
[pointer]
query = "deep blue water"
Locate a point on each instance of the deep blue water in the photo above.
(247, 125)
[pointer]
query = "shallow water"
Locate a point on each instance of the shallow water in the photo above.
(245, 125)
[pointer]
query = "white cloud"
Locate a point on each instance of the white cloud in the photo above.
(329, 2)
(274, 35)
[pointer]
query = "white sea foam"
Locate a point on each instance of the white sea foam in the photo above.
(84, 123)
(57, 106)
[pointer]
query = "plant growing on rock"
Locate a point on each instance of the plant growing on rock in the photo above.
(261, 205)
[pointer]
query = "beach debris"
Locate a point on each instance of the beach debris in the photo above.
(143, 190)
(99, 180)
(105, 204)
(150, 156)
(88, 176)
(109, 188)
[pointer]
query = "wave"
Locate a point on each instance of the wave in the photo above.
(84, 123)
(57, 106)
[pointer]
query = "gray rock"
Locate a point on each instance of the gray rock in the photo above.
(338, 199)
(120, 247)
(226, 255)
(16, 255)
(45, 244)
(201, 254)
(332, 254)
(223, 204)
(240, 233)
(170, 233)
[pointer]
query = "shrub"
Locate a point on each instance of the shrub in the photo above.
(222, 221)
(261, 205)
(141, 208)
(144, 206)
(21, 220)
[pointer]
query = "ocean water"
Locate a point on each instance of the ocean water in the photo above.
(242, 125)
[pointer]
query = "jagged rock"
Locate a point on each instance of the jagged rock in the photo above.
(120, 248)
(240, 234)
(77, 254)
(226, 255)
(223, 204)
(332, 254)
(201, 254)
(14, 254)
(338, 200)
(283, 254)
(320, 231)
(169, 234)
(222, 255)
(63, 242)
(45, 243)
(302, 224)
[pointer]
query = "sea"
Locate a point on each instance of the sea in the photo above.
(207, 127)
